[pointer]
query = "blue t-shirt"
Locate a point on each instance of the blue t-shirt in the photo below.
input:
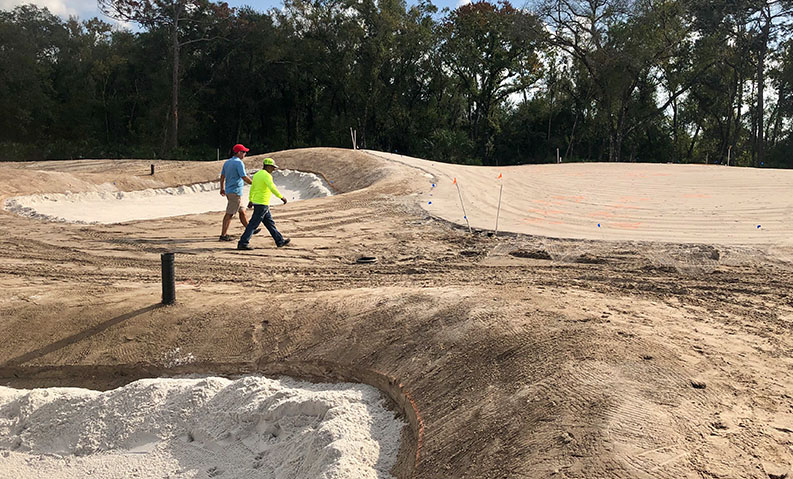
(234, 170)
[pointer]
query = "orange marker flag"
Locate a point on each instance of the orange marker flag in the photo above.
(455, 181)
(499, 176)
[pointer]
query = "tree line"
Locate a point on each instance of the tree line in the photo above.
(690, 81)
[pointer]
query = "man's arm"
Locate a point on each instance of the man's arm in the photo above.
(243, 174)
(274, 190)
(251, 192)
(222, 185)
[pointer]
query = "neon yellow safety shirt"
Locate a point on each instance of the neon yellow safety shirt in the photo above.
(262, 187)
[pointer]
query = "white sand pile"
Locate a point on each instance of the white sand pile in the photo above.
(117, 206)
(198, 428)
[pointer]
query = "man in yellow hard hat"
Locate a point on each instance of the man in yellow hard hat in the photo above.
(262, 189)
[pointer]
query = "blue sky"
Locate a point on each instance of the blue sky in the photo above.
(87, 8)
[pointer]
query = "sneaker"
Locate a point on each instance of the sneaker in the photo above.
(225, 238)
(286, 242)
(257, 230)
(245, 247)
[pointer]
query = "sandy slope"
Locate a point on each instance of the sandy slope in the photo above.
(630, 201)
(525, 356)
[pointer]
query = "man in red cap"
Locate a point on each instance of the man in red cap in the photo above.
(232, 178)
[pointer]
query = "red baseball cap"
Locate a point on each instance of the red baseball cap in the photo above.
(239, 147)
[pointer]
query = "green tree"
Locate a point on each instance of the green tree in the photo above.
(623, 46)
(767, 18)
(491, 52)
(187, 22)
(31, 40)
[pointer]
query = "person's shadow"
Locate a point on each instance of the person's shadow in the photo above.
(60, 344)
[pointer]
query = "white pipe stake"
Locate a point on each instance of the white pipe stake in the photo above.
(498, 210)
(462, 205)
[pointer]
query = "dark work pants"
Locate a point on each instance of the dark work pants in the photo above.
(261, 214)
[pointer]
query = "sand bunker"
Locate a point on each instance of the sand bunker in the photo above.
(615, 201)
(208, 427)
(117, 207)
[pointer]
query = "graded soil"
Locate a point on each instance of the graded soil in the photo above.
(533, 353)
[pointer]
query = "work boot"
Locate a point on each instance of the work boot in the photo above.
(256, 231)
(245, 247)
(286, 242)
(225, 238)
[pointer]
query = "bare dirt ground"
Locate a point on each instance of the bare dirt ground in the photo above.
(524, 356)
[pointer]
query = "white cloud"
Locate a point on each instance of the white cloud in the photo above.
(63, 8)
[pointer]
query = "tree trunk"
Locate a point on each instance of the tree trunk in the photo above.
(570, 141)
(760, 87)
(615, 144)
(777, 115)
(550, 116)
(173, 141)
(616, 135)
(105, 109)
(690, 151)
(736, 130)
(727, 127)
(675, 136)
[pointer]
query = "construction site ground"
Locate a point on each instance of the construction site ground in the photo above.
(516, 356)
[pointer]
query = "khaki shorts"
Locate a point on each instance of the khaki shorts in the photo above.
(234, 204)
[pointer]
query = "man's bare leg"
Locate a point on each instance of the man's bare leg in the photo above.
(243, 218)
(226, 222)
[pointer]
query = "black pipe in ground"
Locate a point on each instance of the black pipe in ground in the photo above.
(168, 279)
